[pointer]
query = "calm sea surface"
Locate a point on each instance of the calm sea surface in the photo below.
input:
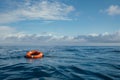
(60, 63)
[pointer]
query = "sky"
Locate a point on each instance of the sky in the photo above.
(60, 22)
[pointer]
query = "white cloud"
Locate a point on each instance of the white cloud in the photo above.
(39, 10)
(113, 10)
(101, 38)
(12, 36)
(5, 30)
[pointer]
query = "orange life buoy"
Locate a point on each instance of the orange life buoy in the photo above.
(34, 54)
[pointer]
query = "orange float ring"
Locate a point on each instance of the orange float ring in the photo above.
(34, 54)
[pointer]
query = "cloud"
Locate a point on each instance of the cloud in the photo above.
(101, 38)
(13, 37)
(113, 10)
(5, 30)
(37, 10)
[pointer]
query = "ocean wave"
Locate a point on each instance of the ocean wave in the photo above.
(60, 63)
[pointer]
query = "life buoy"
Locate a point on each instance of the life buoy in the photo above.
(34, 54)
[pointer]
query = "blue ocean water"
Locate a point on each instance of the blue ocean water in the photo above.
(60, 63)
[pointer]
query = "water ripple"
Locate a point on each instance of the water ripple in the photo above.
(61, 63)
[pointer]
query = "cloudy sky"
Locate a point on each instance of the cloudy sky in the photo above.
(60, 22)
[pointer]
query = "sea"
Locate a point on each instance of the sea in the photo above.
(60, 63)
